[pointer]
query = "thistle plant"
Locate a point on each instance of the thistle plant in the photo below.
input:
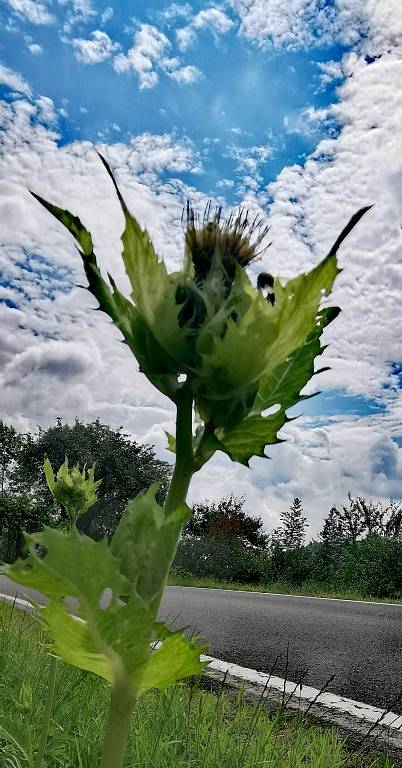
(224, 352)
(74, 490)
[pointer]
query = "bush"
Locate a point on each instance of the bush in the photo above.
(222, 558)
(372, 566)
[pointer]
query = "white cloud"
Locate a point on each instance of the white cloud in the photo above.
(107, 15)
(186, 75)
(331, 71)
(151, 154)
(32, 10)
(46, 112)
(185, 37)
(148, 57)
(311, 122)
(150, 46)
(213, 19)
(79, 9)
(302, 23)
(14, 80)
(363, 165)
(33, 48)
(93, 51)
(177, 11)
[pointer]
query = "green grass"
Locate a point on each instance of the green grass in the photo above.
(180, 578)
(184, 727)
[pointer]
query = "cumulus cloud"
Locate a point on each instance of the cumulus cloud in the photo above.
(148, 57)
(185, 75)
(311, 122)
(45, 110)
(150, 46)
(34, 48)
(107, 14)
(32, 10)
(214, 19)
(330, 71)
(95, 50)
(303, 23)
(14, 81)
(310, 204)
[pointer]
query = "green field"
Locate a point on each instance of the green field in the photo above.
(182, 727)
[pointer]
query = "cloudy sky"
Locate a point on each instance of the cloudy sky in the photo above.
(294, 109)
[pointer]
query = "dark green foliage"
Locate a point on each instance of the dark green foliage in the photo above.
(373, 566)
(370, 567)
(292, 532)
(223, 558)
(19, 513)
(10, 443)
(125, 467)
(227, 518)
(332, 530)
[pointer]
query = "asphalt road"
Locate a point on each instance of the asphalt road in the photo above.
(295, 638)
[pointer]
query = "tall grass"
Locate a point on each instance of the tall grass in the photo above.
(184, 727)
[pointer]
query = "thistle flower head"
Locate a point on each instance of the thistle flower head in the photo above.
(211, 238)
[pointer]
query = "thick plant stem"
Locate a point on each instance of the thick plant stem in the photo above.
(122, 700)
(48, 712)
(118, 721)
(184, 467)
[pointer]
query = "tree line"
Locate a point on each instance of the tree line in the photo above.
(358, 548)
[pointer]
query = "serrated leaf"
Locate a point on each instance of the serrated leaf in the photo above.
(280, 387)
(295, 325)
(154, 291)
(147, 274)
(71, 222)
(145, 543)
(153, 360)
(109, 636)
(74, 566)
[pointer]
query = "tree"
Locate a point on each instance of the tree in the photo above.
(125, 467)
(227, 518)
(393, 525)
(332, 530)
(10, 443)
(292, 532)
(19, 513)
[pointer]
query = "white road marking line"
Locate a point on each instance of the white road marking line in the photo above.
(329, 700)
(282, 594)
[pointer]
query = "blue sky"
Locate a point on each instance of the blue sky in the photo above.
(241, 99)
(289, 109)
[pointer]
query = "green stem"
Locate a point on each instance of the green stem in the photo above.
(118, 721)
(48, 712)
(122, 699)
(184, 467)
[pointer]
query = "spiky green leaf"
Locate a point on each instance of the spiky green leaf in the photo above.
(71, 222)
(110, 636)
(281, 388)
(146, 541)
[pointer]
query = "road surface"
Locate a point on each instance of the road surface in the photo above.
(295, 638)
(359, 643)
